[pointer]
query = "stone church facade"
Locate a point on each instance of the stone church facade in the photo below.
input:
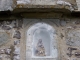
(39, 30)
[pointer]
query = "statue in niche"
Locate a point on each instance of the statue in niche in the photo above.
(40, 50)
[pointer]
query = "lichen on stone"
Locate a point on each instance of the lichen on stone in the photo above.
(4, 38)
(6, 5)
(64, 3)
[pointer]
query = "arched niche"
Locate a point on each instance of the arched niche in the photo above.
(41, 41)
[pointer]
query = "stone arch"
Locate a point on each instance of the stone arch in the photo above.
(33, 31)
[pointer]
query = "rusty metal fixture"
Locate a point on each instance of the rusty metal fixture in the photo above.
(6, 25)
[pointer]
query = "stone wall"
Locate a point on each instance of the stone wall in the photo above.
(13, 37)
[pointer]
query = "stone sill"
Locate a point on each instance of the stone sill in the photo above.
(23, 4)
(45, 6)
(55, 4)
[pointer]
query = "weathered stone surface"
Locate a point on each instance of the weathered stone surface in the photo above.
(63, 23)
(73, 38)
(17, 35)
(8, 51)
(16, 42)
(78, 4)
(6, 5)
(16, 53)
(6, 27)
(4, 38)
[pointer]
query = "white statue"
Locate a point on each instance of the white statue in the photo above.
(40, 50)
